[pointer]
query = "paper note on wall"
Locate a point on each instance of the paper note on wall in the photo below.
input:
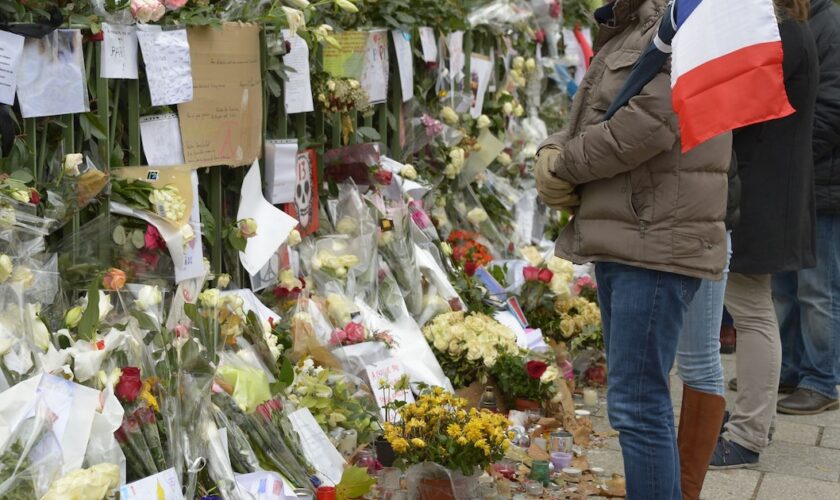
(317, 448)
(222, 125)
(429, 44)
(389, 371)
(46, 65)
(457, 60)
(273, 225)
(375, 71)
(118, 51)
(280, 178)
(481, 68)
(193, 264)
(362, 56)
(11, 46)
(405, 60)
(297, 91)
(161, 137)
(166, 55)
(162, 486)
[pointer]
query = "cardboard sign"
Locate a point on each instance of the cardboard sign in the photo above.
(304, 206)
(222, 125)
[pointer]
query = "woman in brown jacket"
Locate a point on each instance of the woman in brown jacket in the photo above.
(651, 218)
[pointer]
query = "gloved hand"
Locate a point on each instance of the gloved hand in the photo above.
(553, 191)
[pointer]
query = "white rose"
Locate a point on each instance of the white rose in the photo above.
(347, 225)
(518, 110)
(483, 122)
(550, 374)
(409, 172)
(449, 116)
(6, 267)
(21, 195)
(507, 108)
(530, 65)
(209, 297)
(187, 234)
(223, 280)
(503, 159)
(148, 297)
(518, 62)
(294, 238)
(476, 216)
(23, 275)
(457, 157)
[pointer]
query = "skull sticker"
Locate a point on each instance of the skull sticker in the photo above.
(303, 191)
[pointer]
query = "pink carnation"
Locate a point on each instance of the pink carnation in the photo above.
(355, 333)
(153, 239)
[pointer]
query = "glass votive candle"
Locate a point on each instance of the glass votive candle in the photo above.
(590, 397)
(533, 488)
(561, 460)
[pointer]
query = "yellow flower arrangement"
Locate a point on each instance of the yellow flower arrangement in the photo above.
(438, 428)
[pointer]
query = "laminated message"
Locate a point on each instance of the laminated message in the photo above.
(389, 372)
(222, 124)
(363, 56)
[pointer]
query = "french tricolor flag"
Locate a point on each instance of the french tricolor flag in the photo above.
(726, 67)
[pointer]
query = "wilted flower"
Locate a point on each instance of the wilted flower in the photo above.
(71, 164)
(295, 19)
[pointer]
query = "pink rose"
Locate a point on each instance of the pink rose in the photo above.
(338, 337)
(145, 11)
(174, 4)
(420, 218)
(531, 273)
(545, 275)
(355, 333)
(153, 239)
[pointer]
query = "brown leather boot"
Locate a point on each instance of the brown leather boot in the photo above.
(727, 339)
(700, 420)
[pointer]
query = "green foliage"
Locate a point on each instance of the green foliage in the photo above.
(355, 483)
(90, 318)
(515, 383)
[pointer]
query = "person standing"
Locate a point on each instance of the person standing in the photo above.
(775, 234)
(652, 220)
(808, 301)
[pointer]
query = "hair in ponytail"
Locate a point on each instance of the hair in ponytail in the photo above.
(799, 10)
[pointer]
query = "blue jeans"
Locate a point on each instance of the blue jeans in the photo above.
(642, 313)
(808, 307)
(698, 353)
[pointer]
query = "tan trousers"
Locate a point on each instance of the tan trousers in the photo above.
(749, 300)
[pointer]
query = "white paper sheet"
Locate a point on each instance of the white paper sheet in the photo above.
(481, 68)
(391, 370)
(193, 264)
(266, 485)
(457, 61)
(103, 446)
(317, 448)
(531, 340)
(297, 92)
(161, 137)
(167, 58)
(280, 174)
(405, 61)
(51, 75)
(119, 51)
(375, 71)
(429, 44)
(273, 225)
(11, 46)
(162, 486)
(268, 275)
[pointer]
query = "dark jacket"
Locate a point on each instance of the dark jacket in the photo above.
(733, 200)
(775, 164)
(825, 26)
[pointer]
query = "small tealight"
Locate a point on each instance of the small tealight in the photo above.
(572, 474)
(597, 471)
(582, 413)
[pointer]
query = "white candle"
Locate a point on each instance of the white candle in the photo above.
(590, 397)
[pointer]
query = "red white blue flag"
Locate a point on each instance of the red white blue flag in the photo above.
(726, 67)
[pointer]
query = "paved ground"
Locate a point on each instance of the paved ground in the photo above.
(802, 463)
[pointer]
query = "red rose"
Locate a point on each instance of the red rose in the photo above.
(555, 10)
(531, 273)
(34, 196)
(596, 375)
(338, 336)
(545, 275)
(355, 333)
(535, 369)
(539, 36)
(470, 268)
(383, 177)
(129, 385)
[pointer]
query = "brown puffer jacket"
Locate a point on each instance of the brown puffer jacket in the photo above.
(643, 202)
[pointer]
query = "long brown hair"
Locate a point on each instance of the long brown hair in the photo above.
(799, 10)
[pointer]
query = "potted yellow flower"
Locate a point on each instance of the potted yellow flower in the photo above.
(439, 429)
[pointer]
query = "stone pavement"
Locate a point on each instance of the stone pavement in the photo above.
(802, 463)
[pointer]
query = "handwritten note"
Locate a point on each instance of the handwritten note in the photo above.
(390, 370)
(297, 92)
(11, 46)
(193, 264)
(162, 486)
(119, 51)
(265, 485)
(222, 125)
(375, 72)
(46, 65)
(348, 59)
(405, 61)
(429, 44)
(168, 68)
(457, 61)
(317, 448)
(161, 138)
(280, 177)
(273, 225)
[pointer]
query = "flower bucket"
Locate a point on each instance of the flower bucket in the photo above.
(430, 481)
(526, 404)
(384, 452)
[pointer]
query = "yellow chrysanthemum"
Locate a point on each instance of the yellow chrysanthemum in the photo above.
(419, 443)
(454, 430)
(462, 441)
(399, 445)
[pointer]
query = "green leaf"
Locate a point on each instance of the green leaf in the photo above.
(370, 133)
(23, 176)
(146, 321)
(287, 373)
(355, 482)
(90, 318)
(191, 310)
